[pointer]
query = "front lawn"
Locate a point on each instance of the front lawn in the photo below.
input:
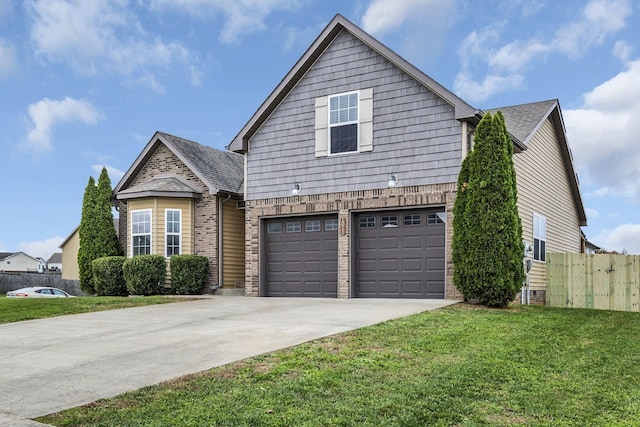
(462, 365)
(17, 309)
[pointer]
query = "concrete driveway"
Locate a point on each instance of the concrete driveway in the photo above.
(58, 363)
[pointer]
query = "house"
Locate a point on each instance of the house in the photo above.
(70, 247)
(54, 263)
(181, 197)
(351, 165)
(19, 262)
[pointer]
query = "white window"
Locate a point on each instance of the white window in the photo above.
(344, 123)
(173, 232)
(539, 237)
(141, 232)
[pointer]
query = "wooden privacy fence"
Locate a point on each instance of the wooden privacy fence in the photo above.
(600, 281)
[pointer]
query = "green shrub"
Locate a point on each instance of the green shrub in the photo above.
(188, 273)
(108, 278)
(145, 274)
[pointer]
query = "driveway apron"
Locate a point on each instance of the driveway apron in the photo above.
(53, 364)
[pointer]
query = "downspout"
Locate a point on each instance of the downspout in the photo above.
(220, 243)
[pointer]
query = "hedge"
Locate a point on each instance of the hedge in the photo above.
(108, 278)
(188, 273)
(145, 274)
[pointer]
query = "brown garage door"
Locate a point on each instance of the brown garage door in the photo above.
(302, 256)
(400, 254)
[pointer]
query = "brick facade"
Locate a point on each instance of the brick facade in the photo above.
(205, 221)
(344, 204)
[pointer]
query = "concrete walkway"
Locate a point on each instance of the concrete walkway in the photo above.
(58, 363)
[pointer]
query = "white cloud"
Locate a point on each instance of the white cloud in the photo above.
(47, 113)
(7, 58)
(602, 135)
(382, 15)
(115, 174)
(622, 50)
(599, 20)
(490, 85)
(43, 248)
(406, 18)
(241, 17)
(623, 237)
(592, 213)
(99, 36)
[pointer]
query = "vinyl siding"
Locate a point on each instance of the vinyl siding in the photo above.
(543, 188)
(70, 268)
(233, 246)
(415, 134)
(158, 218)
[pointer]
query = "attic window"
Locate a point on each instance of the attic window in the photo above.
(343, 123)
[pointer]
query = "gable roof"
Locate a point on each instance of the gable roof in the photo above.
(116, 225)
(14, 254)
(220, 171)
(162, 185)
(337, 25)
(4, 255)
(55, 258)
(524, 120)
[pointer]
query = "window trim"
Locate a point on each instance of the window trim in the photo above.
(167, 234)
(150, 234)
(331, 126)
(540, 221)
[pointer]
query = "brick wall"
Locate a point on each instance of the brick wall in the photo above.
(344, 204)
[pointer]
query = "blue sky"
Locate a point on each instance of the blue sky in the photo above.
(86, 83)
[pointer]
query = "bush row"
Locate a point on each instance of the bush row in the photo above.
(147, 274)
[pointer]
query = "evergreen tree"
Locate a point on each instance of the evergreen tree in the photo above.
(491, 263)
(460, 245)
(106, 238)
(97, 235)
(87, 233)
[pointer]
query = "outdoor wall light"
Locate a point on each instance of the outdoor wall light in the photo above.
(296, 189)
(393, 180)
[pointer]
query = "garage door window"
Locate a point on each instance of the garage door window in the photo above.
(311, 226)
(389, 221)
(275, 228)
(368, 222)
(412, 220)
(330, 224)
(435, 218)
(294, 227)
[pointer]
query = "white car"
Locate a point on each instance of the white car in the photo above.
(39, 292)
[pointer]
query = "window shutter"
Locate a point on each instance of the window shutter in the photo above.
(322, 126)
(366, 120)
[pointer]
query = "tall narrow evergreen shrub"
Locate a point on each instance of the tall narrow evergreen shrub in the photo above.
(491, 262)
(97, 234)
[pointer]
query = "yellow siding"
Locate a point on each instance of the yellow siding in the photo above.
(158, 216)
(70, 268)
(233, 245)
(543, 188)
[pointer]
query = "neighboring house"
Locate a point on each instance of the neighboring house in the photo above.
(18, 262)
(54, 263)
(351, 171)
(180, 197)
(70, 247)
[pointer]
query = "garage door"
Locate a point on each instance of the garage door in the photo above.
(400, 254)
(302, 256)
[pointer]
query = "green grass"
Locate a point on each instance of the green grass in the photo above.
(18, 309)
(462, 366)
